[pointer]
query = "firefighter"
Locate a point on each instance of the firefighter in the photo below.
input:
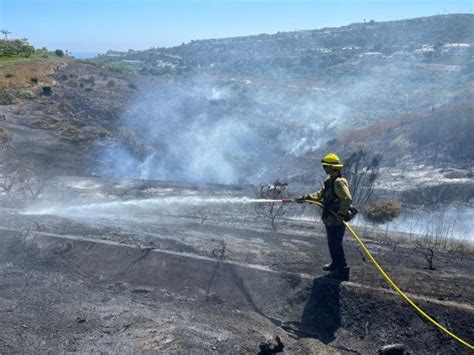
(336, 198)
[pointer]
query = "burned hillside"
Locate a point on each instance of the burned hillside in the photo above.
(182, 277)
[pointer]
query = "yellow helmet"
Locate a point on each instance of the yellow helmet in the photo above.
(332, 160)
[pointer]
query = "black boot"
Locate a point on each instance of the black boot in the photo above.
(341, 274)
(329, 267)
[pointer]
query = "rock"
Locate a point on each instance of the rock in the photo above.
(142, 290)
(271, 348)
(393, 349)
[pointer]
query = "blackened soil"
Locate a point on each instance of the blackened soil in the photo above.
(167, 279)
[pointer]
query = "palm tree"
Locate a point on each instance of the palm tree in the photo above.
(5, 33)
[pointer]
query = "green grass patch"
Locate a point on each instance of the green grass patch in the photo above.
(26, 94)
(118, 68)
(19, 59)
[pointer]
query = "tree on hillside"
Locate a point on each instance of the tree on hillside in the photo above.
(15, 48)
(362, 170)
(439, 235)
(25, 180)
(27, 51)
(8, 48)
(272, 212)
(5, 33)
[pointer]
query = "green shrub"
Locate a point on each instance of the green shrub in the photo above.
(117, 68)
(381, 211)
(47, 90)
(26, 94)
(27, 51)
(9, 75)
(34, 80)
(15, 47)
(59, 52)
(6, 98)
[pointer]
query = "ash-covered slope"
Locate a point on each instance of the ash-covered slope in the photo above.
(425, 158)
(101, 265)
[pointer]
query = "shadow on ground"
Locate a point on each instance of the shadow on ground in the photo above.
(321, 316)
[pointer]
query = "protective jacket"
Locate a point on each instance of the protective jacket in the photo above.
(335, 196)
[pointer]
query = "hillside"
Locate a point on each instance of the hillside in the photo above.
(251, 129)
(314, 53)
(426, 157)
(58, 112)
(298, 90)
(132, 215)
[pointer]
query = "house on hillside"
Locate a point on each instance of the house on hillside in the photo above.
(372, 57)
(424, 51)
(111, 53)
(131, 61)
(461, 49)
(323, 50)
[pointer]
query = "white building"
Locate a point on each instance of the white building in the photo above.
(372, 57)
(462, 49)
(425, 49)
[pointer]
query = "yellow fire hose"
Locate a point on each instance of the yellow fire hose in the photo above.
(394, 285)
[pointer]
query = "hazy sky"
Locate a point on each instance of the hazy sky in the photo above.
(98, 25)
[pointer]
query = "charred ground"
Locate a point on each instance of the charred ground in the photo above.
(159, 278)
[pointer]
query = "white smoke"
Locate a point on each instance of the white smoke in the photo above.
(231, 131)
(213, 133)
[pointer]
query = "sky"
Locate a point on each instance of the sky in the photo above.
(100, 25)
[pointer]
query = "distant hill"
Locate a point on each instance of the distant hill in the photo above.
(300, 53)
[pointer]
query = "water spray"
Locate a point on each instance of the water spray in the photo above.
(156, 202)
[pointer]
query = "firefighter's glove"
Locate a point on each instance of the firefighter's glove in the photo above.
(346, 217)
(301, 199)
